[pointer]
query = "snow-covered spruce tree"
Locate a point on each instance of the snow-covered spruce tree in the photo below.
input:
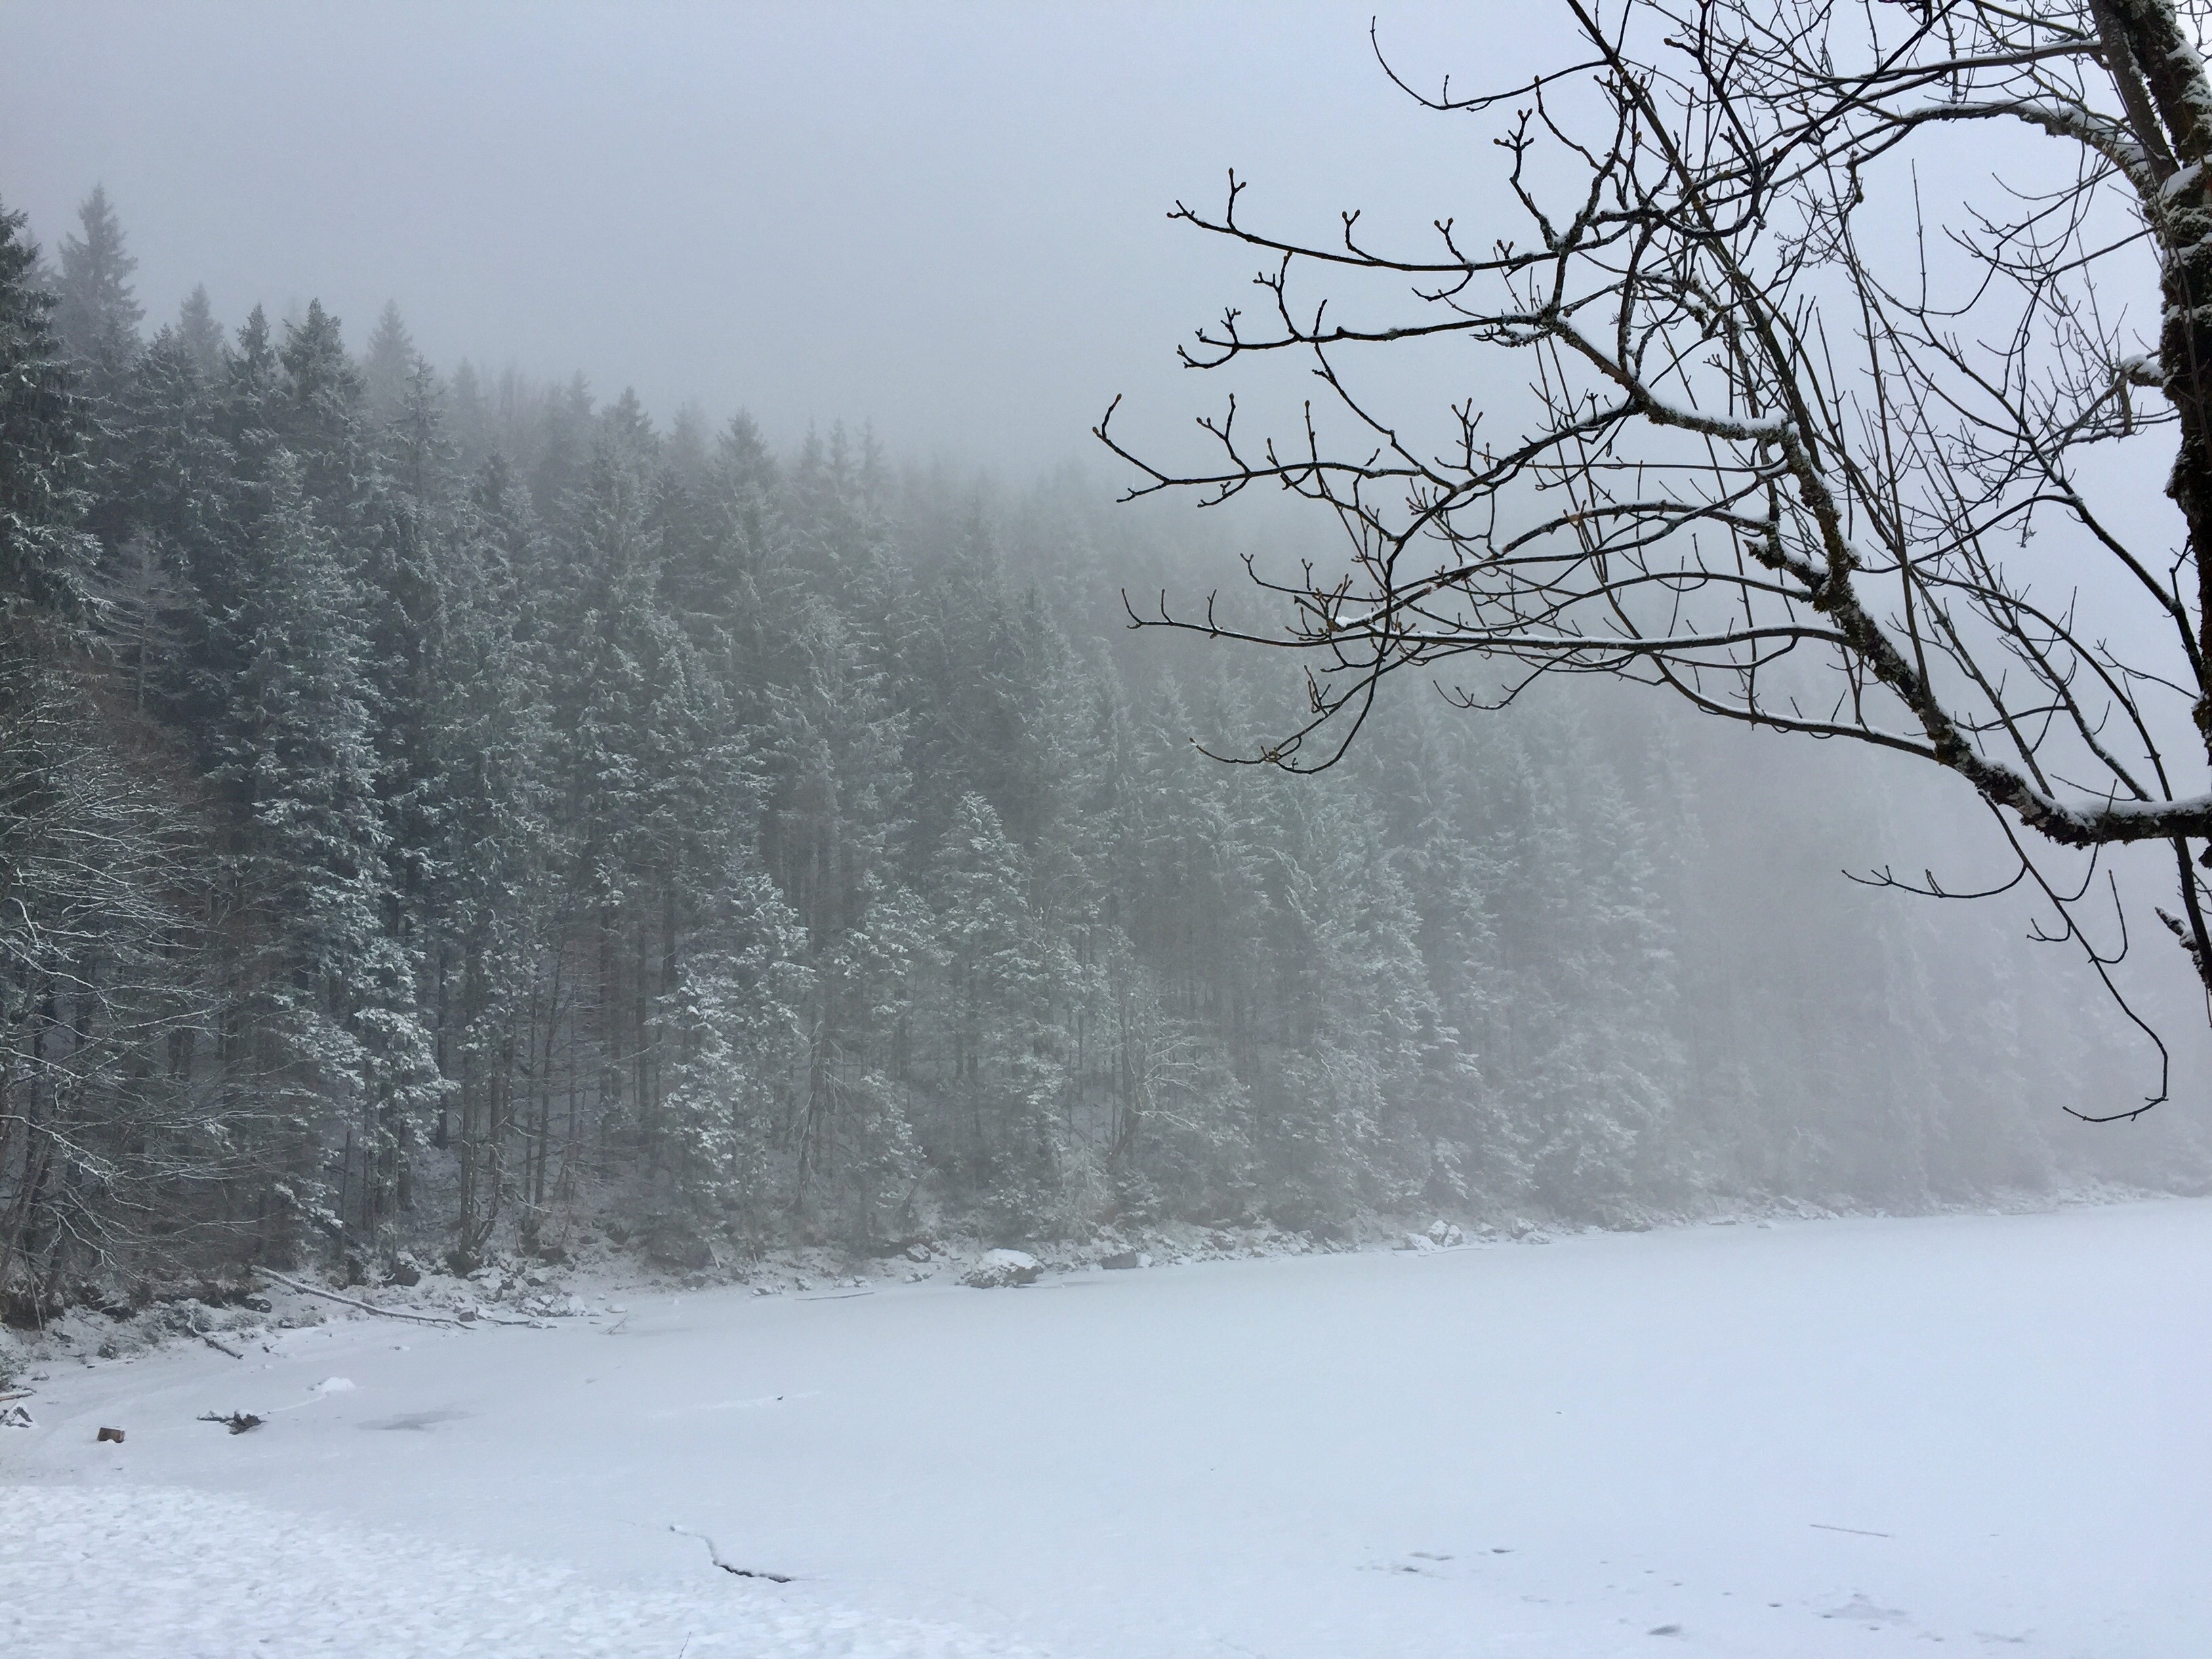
(1200, 911)
(1779, 443)
(1355, 1020)
(199, 334)
(339, 986)
(168, 477)
(1588, 1063)
(420, 553)
(97, 315)
(96, 312)
(985, 1043)
(594, 612)
(737, 1038)
(977, 665)
(1179, 1134)
(494, 905)
(657, 774)
(1429, 776)
(44, 557)
(463, 747)
(319, 415)
(835, 791)
(389, 364)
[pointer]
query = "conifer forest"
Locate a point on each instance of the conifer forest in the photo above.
(441, 809)
(1132, 829)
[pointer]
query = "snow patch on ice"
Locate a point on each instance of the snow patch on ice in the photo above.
(160, 1573)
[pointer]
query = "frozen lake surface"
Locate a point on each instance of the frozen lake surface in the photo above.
(1842, 1437)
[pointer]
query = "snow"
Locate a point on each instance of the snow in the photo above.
(1822, 1438)
(162, 1570)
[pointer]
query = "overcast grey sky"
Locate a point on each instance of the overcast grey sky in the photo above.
(948, 218)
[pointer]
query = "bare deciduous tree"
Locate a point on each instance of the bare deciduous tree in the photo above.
(1782, 439)
(119, 1151)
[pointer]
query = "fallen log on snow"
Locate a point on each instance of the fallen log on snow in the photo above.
(355, 1301)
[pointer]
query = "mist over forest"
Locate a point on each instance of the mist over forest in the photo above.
(1137, 830)
(446, 811)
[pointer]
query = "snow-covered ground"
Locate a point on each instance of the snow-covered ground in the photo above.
(1837, 1438)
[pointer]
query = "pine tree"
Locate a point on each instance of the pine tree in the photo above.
(471, 415)
(339, 987)
(168, 509)
(320, 418)
(986, 1041)
(735, 1017)
(1594, 1058)
(200, 335)
(44, 558)
(1351, 1010)
(836, 789)
(388, 366)
(97, 313)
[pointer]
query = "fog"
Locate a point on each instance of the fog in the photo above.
(949, 220)
(900, 259)
(577, 779)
